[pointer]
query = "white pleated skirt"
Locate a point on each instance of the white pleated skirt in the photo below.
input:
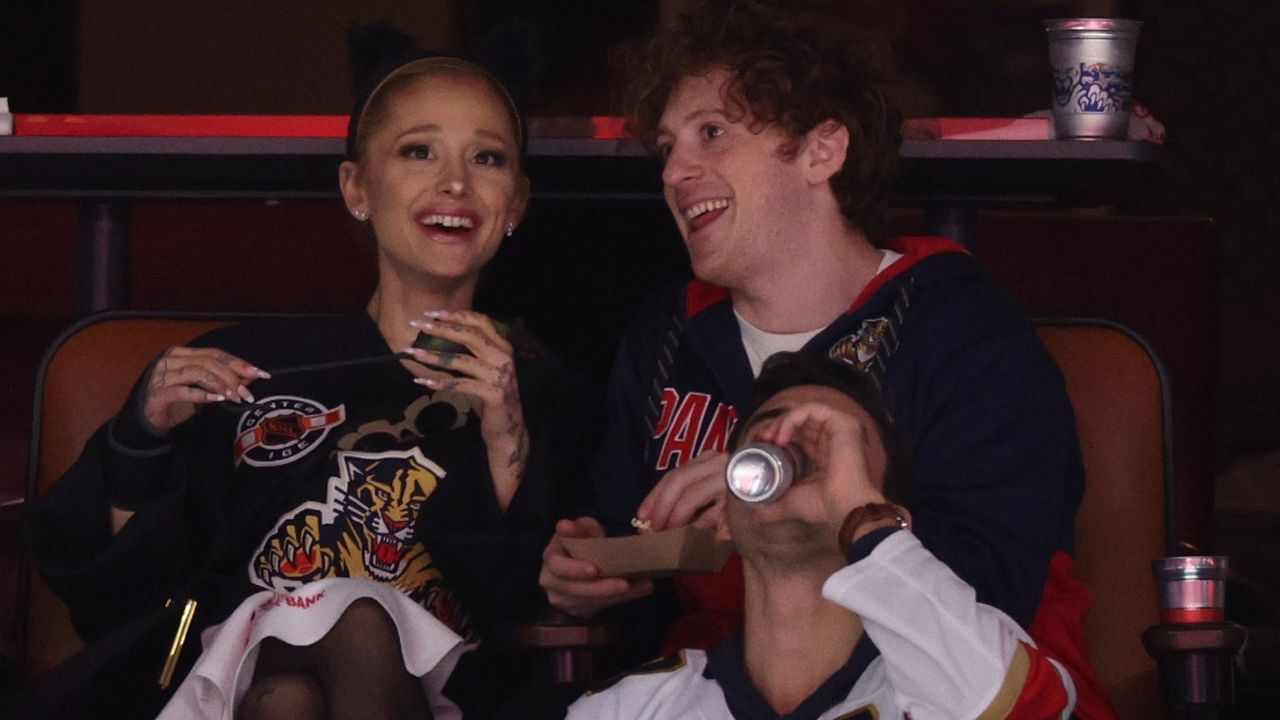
(224, 671)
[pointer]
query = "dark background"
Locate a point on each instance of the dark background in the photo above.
(1191, 263)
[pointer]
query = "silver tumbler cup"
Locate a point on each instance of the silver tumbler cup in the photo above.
(1092, 61)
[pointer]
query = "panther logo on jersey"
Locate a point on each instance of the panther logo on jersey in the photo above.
(860, 348)
(366, 528)
(384, 499)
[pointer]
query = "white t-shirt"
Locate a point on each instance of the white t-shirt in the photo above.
(760, 344)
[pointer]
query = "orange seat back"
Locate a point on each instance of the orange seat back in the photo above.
(83, 382)
(1117, 388)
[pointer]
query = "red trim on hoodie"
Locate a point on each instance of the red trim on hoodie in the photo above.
(702, 295)
(1058, 629)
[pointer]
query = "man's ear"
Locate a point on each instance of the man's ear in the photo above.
(349, 184)
(825, 149)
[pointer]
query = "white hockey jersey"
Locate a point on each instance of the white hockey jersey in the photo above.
(930, 650)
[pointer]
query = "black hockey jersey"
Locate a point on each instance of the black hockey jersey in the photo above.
(351, 471)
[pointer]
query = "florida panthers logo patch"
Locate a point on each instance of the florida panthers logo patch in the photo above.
(283, 428)
(366, 528)
(860, 348)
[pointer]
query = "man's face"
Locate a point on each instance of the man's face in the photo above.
(732, 193)
(789, 532)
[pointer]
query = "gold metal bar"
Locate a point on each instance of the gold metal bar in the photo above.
(179, 639)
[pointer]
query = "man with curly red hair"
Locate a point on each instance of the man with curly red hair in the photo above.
(778, 150)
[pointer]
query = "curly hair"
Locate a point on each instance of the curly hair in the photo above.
(793, 64)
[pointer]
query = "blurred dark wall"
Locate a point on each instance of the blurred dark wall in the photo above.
(37, 55)
(1211, 71)
(566, 46)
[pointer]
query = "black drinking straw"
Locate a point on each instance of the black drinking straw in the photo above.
(423, 341)
(339, 364)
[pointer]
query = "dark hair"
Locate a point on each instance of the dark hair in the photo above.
(371, 111)
(791, 369)
(792, 63)
(384, 60)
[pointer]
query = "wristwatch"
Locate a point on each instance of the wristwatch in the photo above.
(869, 513)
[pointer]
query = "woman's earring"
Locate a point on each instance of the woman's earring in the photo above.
(361, 215)
(511, 229)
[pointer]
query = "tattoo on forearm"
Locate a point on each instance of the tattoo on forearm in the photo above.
(522, 448)
(510, 393)
(511, 403)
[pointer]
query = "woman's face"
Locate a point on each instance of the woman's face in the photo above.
(439, 179)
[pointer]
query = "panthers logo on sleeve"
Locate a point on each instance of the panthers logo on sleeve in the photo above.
(665, 664)
(860, 349)
(365, 528)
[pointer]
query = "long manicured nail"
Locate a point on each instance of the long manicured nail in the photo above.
(436, 313)
(429, 382)
(244, 393)
(215, 397)
(422, 324)
(262, 374)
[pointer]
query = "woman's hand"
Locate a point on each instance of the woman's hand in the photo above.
(183, 378)
(487, 376)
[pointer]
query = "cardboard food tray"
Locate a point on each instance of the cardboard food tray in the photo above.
(662, 554)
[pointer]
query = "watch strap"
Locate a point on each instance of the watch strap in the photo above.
(864, 514)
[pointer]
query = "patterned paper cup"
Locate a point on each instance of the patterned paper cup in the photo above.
(1092, 61)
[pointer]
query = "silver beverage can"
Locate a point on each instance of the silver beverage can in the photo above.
(1092, 61)
(761, 473)
(1191, 588)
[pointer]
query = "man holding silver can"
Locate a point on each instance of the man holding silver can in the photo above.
(847, 613)
(778, 149)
